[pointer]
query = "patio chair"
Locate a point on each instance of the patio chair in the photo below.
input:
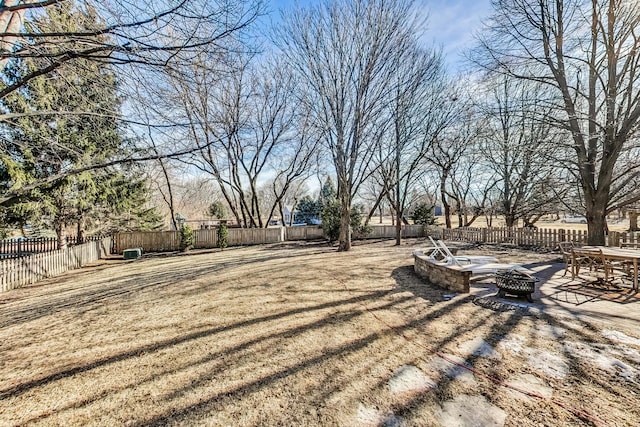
(599, 265)
(570, 259)
(466, 259)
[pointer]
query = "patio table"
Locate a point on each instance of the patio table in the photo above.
(613, 254)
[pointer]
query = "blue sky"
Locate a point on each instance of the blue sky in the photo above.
(451, 23)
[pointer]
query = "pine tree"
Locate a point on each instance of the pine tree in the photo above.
(76, 105)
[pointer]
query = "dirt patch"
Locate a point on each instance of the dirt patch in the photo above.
(300, 335)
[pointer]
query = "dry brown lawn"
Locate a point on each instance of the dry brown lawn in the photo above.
(295, 334)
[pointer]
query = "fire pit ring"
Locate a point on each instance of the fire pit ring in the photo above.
(516, 282)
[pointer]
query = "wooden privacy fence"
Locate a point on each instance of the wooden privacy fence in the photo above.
(303, 233)
(389, 231)
(166, 241)
(238, 237)
(149, 241)
(162, 241)
(18, 272)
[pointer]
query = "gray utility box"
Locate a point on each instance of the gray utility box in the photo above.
(132, 253)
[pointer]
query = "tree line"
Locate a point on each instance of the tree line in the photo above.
(98, 110)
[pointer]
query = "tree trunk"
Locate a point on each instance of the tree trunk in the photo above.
(398, 202)
(398, 228)
(596, 221)
(62, 236)
(80, 232)
(375, 207)
(446, 208)
(510, 220)
(345, 223)
(292, 215)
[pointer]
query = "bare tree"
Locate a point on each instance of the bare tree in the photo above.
(453, 145)
(419, 109)
(470, 187)
(588, 52)
(345, 53)
(247, 130)
(157, 34)
(519, 148)
(142, 39)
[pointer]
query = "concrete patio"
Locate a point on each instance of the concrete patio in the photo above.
(557, 293)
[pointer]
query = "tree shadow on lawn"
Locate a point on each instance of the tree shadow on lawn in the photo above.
(111, 290)
(493, 374)
(340, 352)
(233, 352)
(24, 387)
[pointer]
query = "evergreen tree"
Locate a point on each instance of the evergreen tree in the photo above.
(308, 209)
(217, 210)
(67, 118)
(327, 193)
(423, 214)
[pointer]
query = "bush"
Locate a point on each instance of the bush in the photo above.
(187, 238)
(223, 236)
(331, 221)
(217, 210)
(423, 214)
(359, 229)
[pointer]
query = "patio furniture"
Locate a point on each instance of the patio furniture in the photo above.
(566, 248)
(460, 259)
(607, 261)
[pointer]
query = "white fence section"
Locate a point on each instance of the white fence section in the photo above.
(18, 272)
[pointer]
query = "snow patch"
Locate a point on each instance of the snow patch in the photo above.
(529, 383)
(468, 411)
(548, 331)
(369, 416)
(618, 336)
(546, 363)
(453, 370)
(409, 378)
(512, 344)
(603, 359)
(479, 347)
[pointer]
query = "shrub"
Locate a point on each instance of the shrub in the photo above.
(423, 214)
(357, 227)
(187, 238)
(217, 210)
(223, 236)
(331, 221)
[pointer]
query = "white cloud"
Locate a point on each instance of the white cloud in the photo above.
(452, 24)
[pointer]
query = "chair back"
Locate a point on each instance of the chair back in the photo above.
(566, 247)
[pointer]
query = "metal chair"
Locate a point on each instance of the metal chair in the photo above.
(572, 262)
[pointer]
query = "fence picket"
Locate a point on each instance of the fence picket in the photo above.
(17, 272)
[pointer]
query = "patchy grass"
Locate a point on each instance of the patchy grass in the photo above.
(296, 334)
